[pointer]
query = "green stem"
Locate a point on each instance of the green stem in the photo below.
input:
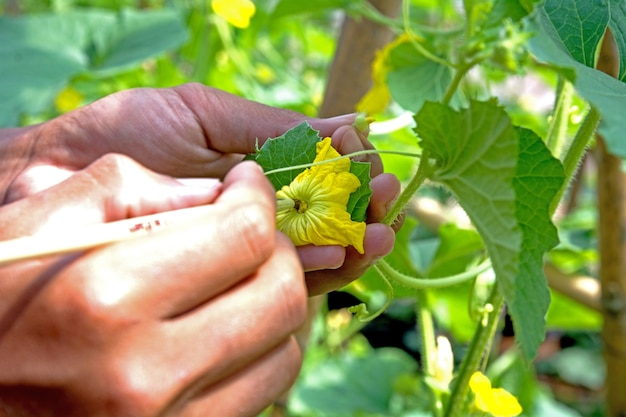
(413, 37)
(348, 155)
(424, 283)
(416, 182)
(471, 362)
(555, 139)
(456, 80)
(426, 330)
(576, 151)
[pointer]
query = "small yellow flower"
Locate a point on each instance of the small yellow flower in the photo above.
(443, 362)
(496, 401)
(236, 12)
(68, 99)
(318, 197)
(375, 101)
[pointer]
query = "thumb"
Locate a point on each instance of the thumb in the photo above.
(233, 124)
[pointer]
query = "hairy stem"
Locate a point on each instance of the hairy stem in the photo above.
(575, 152)
(416, 182)
(471, 362)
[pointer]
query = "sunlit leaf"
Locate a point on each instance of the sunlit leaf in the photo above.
(603, 91)
(352, 385)
(495, 174)
(537, 179)
(580, 24)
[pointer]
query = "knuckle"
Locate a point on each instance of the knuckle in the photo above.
(256, 229)
(132, 388)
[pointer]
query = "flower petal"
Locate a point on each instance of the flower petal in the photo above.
(320, 194)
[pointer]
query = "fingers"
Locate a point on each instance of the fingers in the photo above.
(378, 242)
(234, 239)
(330, 267)
(385, 190)
(113, 188)
(237, 340)
(265, 309)
(251, 390)
(347, 139)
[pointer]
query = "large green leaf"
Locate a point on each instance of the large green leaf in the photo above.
(349, 385)
(537, 179)
(617, 24)
(496, 175)
(407, 67)
(476, 152)
(136, 36)
(604, 92)
(580, 24)
(39, 54)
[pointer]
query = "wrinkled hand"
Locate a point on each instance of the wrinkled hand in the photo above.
(192, 131)
(194, 320)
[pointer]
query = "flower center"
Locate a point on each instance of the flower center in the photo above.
(300, 206)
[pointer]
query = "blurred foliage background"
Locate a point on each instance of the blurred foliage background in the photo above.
(56, 55)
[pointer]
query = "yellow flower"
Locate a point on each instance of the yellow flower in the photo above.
(317, 197)
(497, 401)
(68, 99)
(236, 12)
(378, 97)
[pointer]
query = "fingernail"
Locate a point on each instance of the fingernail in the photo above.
(347, 118)
(206, 183)
(199, 187)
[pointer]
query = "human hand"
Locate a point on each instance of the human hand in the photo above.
(195, 131)
(192, 320)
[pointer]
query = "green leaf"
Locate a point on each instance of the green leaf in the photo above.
(407, 67)
(498, 178)
(515, 10)
(537, 179)
(617, 24)
(360, 199)
(136, 36)
(476, 151)
(351, 385)
(457, 249)
(294, 147)
(580, 24)
(604, 92)
(39, 54)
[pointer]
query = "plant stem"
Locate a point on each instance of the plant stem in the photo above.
(426, 330)
(422, 283)
(413, 37)
(575, 152)
(416, 182)
(476, 350)
(555, 139)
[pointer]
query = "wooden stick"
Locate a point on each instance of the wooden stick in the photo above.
(92, 236)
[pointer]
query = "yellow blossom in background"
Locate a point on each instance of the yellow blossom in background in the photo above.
(377, 99)
(68, 99)
(318, 196)
(236, 12)
(496, 401)
(443, 362)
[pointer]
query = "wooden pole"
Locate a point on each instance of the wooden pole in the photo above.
(350, 75)
(612, 247)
